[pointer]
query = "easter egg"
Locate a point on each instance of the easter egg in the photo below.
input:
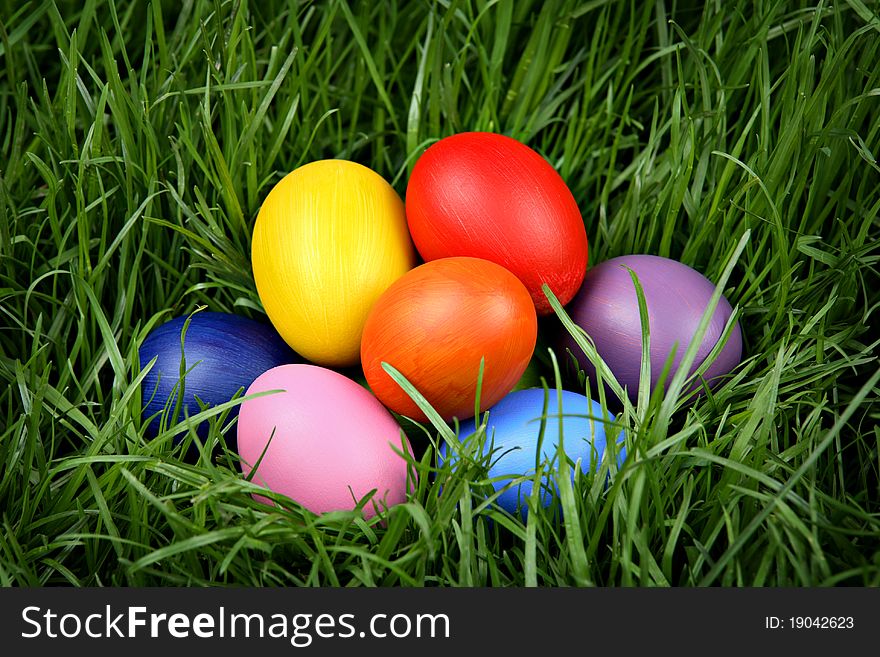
(328, 240)
(222, 353)
(676, 297)
(436, 323)
(489, 196)
(513, 439)
(323, 441)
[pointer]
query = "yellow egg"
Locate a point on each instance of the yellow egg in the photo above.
(329, 238)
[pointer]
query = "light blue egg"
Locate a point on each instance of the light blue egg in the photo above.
(513, 432)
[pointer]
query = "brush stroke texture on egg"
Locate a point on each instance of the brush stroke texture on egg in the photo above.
(676, 297)
(331, 441)
(490, 196)
(329, 238)
(436, 322)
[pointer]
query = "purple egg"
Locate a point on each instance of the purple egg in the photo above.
(607, 308)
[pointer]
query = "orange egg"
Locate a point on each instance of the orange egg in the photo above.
(435, 324)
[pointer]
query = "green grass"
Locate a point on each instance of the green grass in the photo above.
(137, 141)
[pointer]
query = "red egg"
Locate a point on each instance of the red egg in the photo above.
(489, 196)
(435, 324)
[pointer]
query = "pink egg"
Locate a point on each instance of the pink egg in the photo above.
(332, 442)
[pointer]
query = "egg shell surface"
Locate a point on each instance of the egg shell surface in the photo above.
(676, 296)
(328, 240)
(513, 432)
(332, 442)
(224, 353)
(436, 323)
(489, 196)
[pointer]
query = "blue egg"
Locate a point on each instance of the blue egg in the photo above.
(512, 435)
(224, 353)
